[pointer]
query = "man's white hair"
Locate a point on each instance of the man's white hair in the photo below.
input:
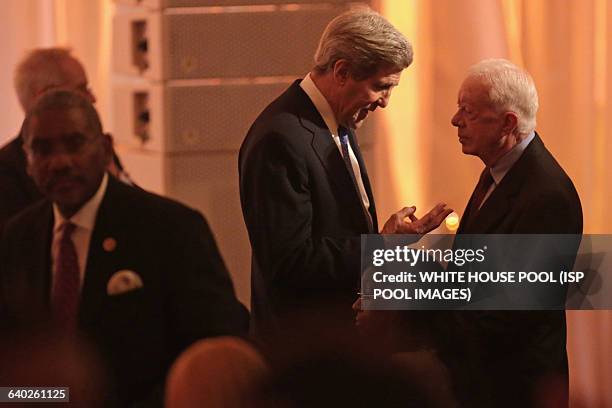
(366, 40)
(40, 69)
(510, 89)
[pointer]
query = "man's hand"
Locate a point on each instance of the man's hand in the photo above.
(405, 222)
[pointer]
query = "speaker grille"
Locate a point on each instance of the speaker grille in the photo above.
(215, 118)
(227, 45)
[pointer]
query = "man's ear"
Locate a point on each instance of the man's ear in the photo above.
(510, 123)
(26, 152)
(28, 167)
(341, 71)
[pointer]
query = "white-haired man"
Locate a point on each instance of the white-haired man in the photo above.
(522, 190)
(304, 189)
(42, 69)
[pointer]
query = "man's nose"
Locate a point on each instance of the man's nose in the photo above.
(383, 101)
(59, 161)
(455, 119)
(91, 96)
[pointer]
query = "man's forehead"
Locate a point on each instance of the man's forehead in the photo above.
(473, 90)
(391, 77)
(55, 120)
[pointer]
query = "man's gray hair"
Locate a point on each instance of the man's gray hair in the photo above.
(40, 69)
(366, 40)
(510, 89)
(60, 99)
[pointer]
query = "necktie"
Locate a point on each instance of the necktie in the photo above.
(479, 194)
(65, 296)
(343, 134)
(344, 144)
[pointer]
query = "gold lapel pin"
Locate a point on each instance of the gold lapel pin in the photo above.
(109, 244)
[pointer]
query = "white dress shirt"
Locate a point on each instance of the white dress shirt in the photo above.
(84, 220)
(322, 106)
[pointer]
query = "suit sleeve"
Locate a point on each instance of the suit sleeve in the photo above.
(13, 198)
(202, 299)
(277, 205)
(3, 271)
(552, 212)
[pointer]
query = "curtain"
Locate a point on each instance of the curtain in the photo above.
(81, 25)
(566, 47)
(24, 24)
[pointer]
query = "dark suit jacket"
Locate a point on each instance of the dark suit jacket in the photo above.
(17, 189)
(303, 213)
(187, 293)
(521, 350)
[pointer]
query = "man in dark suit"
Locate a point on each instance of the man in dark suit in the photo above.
(522, 190)
(42, 69)
(138, 274)
(304, 188)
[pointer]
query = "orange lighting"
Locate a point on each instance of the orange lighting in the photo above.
(452, 221)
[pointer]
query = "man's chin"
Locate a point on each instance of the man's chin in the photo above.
(68, 203)
(360, 118)
(358, 124)
(466, 149)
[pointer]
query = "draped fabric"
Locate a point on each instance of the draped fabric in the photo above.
(567, 47)
(84, 26)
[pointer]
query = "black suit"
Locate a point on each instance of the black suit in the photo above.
(521, 349)
(187, 293)
(17, 189)
(303, 213)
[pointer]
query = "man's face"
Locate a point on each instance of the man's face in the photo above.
(66, 158)
(479, 124)
(356, 99)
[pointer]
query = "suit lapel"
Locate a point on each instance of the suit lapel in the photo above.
(502, 199)
(100, 260)
(39, 273)
(328, 153)
(495, 208)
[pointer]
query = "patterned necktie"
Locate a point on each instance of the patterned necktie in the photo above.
(65, 296)
(479, 194)
(343, 134)
(344, 144)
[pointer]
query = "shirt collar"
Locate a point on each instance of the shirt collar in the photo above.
(86, 216)
(505, 163)
(320, 103)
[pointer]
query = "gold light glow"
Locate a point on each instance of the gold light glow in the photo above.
(452, 221)
(401, 117)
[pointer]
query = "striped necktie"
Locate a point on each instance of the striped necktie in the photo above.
(343, 134)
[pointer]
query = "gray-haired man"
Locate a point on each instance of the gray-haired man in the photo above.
(304, 188)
